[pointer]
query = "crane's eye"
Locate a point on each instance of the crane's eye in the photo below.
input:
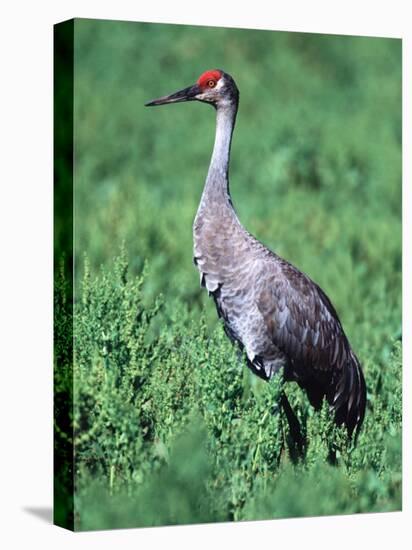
(211, 83)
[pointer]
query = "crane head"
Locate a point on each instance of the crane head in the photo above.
(215, 87)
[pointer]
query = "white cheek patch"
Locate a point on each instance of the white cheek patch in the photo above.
(219, 84)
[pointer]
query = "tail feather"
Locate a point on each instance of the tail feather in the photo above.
(344, 389)
(348, 398)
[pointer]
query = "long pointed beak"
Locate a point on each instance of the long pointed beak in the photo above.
(187, 94)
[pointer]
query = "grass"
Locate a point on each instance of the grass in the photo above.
(168, 424)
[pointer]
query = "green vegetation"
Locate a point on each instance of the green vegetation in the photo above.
(169, 425)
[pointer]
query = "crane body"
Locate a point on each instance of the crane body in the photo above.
(276, 313)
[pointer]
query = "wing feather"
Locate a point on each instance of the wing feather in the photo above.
(305, 326)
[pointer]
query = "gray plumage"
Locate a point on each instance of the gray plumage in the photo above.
(276, 313)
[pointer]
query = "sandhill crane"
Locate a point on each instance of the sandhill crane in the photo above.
(276, 313)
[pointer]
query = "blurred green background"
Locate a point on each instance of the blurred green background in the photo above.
(315, 175)
(316, 165)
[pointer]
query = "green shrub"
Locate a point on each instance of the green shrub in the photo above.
(171, 427)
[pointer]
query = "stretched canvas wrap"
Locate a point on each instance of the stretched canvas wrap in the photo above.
(225, 354)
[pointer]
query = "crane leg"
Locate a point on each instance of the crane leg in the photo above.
(294, 426)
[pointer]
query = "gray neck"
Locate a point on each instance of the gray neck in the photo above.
(217, 181)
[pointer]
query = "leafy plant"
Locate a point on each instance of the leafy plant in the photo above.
(171, 427)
